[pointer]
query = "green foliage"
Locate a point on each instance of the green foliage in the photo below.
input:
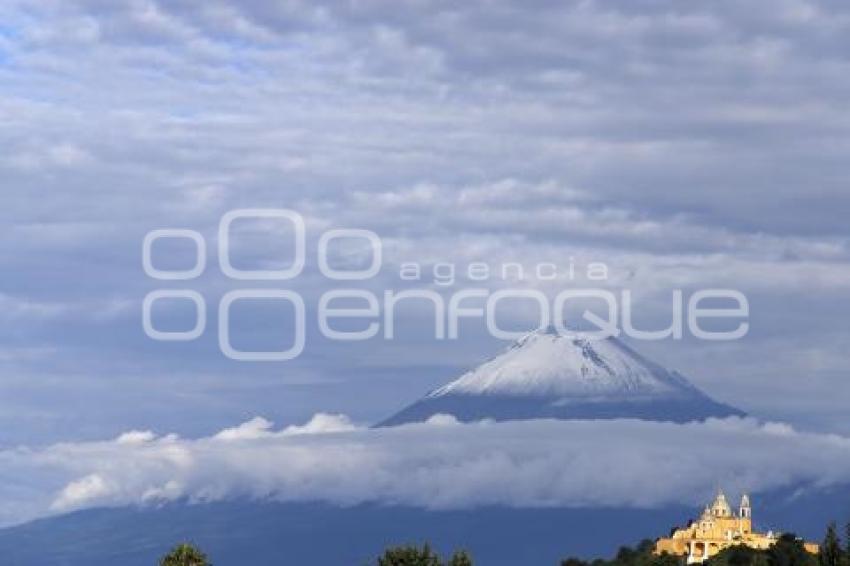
(640, 555)
(184, 554)
(415, 556)
(831, 553)
(739, 556)
(847, 543)
(460, 558)
(789, 551)
(665, 559)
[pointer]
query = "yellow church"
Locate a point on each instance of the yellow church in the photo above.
(719, 528)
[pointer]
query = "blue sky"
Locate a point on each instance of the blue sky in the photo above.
(684, 145)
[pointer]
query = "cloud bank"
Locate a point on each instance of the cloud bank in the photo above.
(437, 465)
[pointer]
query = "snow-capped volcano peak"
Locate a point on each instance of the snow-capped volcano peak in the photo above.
(550, 375)
(546, 363)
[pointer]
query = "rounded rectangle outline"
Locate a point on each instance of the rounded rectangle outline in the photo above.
(182, 335)
(245, 356)
(178, 233)
(261, 274)
(345, 275)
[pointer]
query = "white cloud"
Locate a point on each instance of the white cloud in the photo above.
(258, 427)
(431, 465)
(78, 492)
(255, 428)
(442, 419)
(322, 423)
(136, 437)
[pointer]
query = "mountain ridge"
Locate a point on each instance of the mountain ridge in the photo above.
(547, 374)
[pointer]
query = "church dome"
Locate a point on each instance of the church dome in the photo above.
(720, 507)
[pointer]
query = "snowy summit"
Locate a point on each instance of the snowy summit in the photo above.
(549, 375)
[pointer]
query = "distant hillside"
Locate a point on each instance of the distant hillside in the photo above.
(241, 533)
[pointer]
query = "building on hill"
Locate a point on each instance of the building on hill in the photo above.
(718, 528)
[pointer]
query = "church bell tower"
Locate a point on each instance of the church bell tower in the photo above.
(745, 512)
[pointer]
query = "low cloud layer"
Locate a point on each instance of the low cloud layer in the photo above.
(439, 464)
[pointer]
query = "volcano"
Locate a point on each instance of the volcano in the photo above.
(546, 374)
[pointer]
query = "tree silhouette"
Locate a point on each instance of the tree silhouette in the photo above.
(409, 556)
(789, 551)
(830, 551)
(640, 555)
(847, 544)
(414, 556)
(184, 554)
(460, 558)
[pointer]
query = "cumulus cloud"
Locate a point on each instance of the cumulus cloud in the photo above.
(258, 427)
(438, 464)
(138, 437)
(321, 423)
(255, 428)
